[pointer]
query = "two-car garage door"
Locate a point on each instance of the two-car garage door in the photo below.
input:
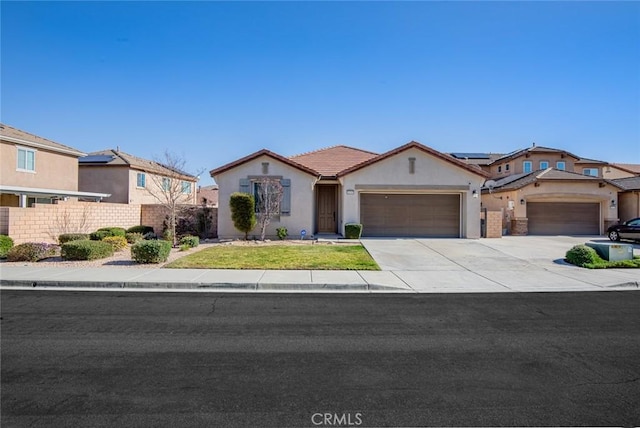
(415, 215)
(563, 218)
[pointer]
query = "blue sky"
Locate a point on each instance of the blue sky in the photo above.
(215, 81)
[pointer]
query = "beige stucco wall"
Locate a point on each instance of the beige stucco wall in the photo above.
(516, 165)
(52, 170)
(611, 172)
(302, 198)
(121, 183)
(392, 175)
(629, 205)
(555, 191)
(101, 179)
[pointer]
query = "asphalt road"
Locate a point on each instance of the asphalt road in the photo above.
(134, 359)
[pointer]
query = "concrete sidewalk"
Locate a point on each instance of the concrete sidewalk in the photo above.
(510, 264)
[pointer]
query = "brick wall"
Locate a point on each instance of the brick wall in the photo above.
(494, 224)
(520, 226)
(44, 222)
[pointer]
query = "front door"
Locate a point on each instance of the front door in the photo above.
(327, 207)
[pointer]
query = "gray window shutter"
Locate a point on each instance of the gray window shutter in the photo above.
(285, 205)
(244, 185)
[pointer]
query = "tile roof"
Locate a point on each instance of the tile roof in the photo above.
(519, 181)
(414, 144)
(331, 160)
(633, 168)
(10, 133)
(208, 195)
(629, 183)
(586, 160)
(119, 158)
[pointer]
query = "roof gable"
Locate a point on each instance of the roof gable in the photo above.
(414, 144)
(519, 181)
(534, 149)
(632, 168)
(9, 133)
(263, 152)
(329, 161)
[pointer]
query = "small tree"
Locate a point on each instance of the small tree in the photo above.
(269, 193)
(243, 212)
(169, 188)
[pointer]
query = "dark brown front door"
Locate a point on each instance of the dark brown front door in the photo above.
(327, 209)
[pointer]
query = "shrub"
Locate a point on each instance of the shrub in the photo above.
(133, 237)
(184, 247)
(151, 251)
(150, 235)
(581, 255)
(243, 212)
(140, 229)
(191, 241)
(352, 230)
(282, 233)
(117, 242)
(86, 250)
(104, 232)
(32, 252)
(5, 245)
(67, 237)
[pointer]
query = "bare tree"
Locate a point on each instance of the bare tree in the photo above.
(268, 195)
(172, 187)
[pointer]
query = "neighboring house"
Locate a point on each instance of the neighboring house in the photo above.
(38, 170)
(553, 202)
(531, 159)
(621, 170)
(412, 190)
(629, 197)
(208, 195)
(132, 180)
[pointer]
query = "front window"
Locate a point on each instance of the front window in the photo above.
(561, 165)
(593, 172)
(544, 164)
(186, 187)
(506, 167)
(500, 168)
(527, 166)
(26, 159)
(141, 180)
(166, 184)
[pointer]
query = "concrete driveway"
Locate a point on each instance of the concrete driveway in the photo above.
(525, 263)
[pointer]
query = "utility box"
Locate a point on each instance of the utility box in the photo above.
(612, 251)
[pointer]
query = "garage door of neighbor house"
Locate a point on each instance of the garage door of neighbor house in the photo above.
(418, 215)
(563, 218)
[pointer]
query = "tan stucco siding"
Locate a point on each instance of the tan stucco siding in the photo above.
(629, 205)
(516, 166)
(52, 170)
(550, 191)
(431, 175)
(102, 179)
(152, 192)
(611, 172)
(302, 198)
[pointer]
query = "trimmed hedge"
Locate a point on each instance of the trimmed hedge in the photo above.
(104, 232)
(140, 229)
(5, 245)
(86, 250)
(352, 230)
(31, 252)
(190, 241)
(587, 257)
(68, 237)
(117, 242)
(151, 251)
(133, 237)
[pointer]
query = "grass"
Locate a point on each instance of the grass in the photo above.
(294, 257)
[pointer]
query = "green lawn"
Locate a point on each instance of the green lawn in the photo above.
(316, 257)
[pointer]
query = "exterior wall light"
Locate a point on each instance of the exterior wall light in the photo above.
(475, 193)
(613, 203)
(522, 201)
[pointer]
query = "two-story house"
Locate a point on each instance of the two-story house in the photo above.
(134, 180)
(547, 191)
(34, 169)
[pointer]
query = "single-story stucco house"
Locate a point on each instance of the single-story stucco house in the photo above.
(410, 191)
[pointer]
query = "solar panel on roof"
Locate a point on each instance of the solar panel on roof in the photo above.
(471, 155)
(96, 159)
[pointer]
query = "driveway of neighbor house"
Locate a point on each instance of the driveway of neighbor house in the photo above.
(512, 263)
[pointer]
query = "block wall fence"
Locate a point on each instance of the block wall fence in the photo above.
(44, 222)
